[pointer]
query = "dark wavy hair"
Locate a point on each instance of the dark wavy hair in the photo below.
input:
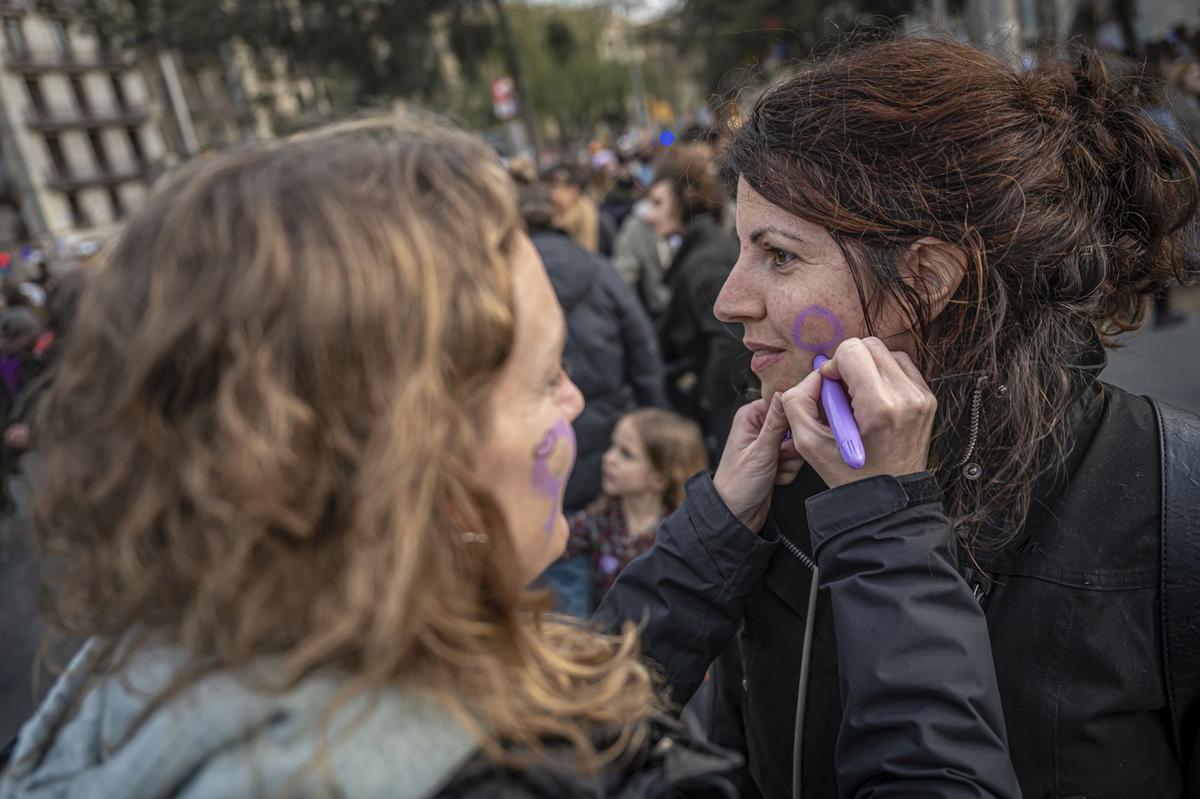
(1070, 204)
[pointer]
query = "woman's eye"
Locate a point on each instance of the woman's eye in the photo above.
(780, 257)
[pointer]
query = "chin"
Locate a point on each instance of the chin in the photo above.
(556, 543)
(787, 375)
(535, 559)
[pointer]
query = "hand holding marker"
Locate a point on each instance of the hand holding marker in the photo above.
(833, 394)
(841, 419)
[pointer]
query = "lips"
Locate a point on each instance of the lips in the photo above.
(762, 355)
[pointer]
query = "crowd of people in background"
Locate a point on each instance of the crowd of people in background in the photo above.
(1172, 71)
(637, 244)
(35, 314)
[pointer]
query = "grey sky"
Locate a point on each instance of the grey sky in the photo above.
(640, 9)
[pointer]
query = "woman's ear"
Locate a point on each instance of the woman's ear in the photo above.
(936, 269)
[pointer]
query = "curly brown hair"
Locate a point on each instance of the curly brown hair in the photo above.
(260, 439)
(1070, 204)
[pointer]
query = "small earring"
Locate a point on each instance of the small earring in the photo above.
(474, 538)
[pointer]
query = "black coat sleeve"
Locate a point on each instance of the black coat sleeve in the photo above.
(643, 363)
(689, 591)
(922, 713)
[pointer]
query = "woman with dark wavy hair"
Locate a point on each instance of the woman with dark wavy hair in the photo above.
(918, 208)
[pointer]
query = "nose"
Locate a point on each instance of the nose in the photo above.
(740, 299)
(571, 400)
(606, 458)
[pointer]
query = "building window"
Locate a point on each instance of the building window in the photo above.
(15, 37)
(35, 94)
(78, 217)
(98, 151)
(57, 157)
(118, 90)
(135, 144)
(81, 98)
(62, 42)
(118, 207)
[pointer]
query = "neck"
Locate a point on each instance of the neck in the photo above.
(641, 507)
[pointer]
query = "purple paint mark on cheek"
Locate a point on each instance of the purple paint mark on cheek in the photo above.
(552, 462)
(836, 333)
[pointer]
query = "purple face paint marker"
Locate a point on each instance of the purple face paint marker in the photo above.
(841, 419)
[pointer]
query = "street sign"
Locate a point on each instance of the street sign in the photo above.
(504, 98)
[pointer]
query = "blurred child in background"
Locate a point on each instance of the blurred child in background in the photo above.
(652, 454)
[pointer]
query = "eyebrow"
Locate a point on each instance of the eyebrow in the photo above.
(757, 235)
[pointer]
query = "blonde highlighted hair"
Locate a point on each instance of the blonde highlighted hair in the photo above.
(260, 440)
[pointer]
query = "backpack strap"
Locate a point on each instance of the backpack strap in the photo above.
(1179, 442)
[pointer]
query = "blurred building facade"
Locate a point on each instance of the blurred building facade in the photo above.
(85, 129)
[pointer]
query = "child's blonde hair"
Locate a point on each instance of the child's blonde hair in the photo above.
(674, 445)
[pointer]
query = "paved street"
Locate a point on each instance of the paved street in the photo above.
(1163, 363)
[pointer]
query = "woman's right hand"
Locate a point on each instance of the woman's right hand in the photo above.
(755, 461)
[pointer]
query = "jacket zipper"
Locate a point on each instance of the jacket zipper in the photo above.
(795, 550)
(805, 667)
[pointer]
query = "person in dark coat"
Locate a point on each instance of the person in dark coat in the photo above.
(611, 352)
(855, 243)
(705, 360)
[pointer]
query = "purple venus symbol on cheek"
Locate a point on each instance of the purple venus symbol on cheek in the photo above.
(835, 330)
(552, 462)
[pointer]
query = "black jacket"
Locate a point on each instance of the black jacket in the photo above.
(923, 710)
(692, 337)
(1073, 617)
(1073, 620)
(611, 352)
(671, 766)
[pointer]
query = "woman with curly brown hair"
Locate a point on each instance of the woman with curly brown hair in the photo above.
(917, 207)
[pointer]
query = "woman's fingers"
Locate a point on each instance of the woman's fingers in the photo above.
(802, 405)
(745, 427)
(774, 428)
(752, 413)
(789, 468)
(886, 362)
(853, 363)
(912, 372)
(746, 475)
